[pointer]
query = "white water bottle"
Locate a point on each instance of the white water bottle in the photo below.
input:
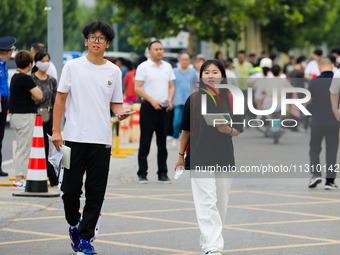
(178, 172)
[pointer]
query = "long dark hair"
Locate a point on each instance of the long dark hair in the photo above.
(39, 56)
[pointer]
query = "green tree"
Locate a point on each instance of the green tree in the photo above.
(215, 20)
(71, 24)
(294, 23)
(25, 20)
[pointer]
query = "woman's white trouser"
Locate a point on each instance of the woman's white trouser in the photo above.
(211, 197)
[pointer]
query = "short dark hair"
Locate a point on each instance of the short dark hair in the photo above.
(39, 47)
(332, 59)
(184, 52)
(241, 52)
(156, 41)
(101, 26)
(276, 70)
(336, 50)
(252, 55)
(301, 59)
(318, 52)
(23, 58)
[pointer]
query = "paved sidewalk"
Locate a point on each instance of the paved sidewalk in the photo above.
(265, 216)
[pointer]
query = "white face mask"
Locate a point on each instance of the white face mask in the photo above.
(304, 64)
(43, 66)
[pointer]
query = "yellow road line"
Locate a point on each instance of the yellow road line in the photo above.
(154, 219)
(148, 231)
(152, 211)
(267, 248)
(282, 234)
(31, 241)
(32, 205)
(32, 232)
(288, 212)
(141, 246)
(277, 222)
(143, 189)
(294, 196)
(284, 204)
(40, 218)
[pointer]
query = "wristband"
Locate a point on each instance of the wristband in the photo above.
(182, 154)
(231, 131)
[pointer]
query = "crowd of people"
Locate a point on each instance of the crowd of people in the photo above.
(92, 88)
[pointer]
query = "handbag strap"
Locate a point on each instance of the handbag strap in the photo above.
(49, 83)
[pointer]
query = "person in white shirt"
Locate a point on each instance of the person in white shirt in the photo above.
(52, 70)
(90, 86)
(154, 84)
(312, 68)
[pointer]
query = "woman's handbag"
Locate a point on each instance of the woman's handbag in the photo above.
(44, 112)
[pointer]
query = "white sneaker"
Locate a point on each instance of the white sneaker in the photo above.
(213, 253)
(19, 185)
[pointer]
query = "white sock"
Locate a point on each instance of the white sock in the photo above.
(76, 226)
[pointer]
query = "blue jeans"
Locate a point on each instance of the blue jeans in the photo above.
(178, 111)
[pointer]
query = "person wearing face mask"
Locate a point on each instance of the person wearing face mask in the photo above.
(48, 85)
(24, 92)
(209, 146)
(52, 70)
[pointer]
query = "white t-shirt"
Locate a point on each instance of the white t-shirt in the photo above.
(312, 68)
(156, 79)
(267, 86)
(232, 78)
(52, 71)
(335, 85)
(91, 88)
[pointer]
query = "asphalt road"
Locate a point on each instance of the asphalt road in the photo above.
(265, 216)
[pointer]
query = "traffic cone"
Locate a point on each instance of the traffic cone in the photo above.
(36, 180)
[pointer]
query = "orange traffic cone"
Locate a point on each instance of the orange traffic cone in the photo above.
(36, 181)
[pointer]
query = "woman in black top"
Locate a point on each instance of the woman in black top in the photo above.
(210, 154)
(48, 85)
(23, 109)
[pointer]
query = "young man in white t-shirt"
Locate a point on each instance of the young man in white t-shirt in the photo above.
(89, 86)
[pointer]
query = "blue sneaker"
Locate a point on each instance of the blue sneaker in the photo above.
(85, 247)
(74, 236)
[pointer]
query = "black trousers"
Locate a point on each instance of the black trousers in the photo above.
(3, 116)
(95, 159)
(331, 135)
(47, 128)
(152, 120)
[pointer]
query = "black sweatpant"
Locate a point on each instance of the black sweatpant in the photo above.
(331, 134)
(95, 159)
(152, 120)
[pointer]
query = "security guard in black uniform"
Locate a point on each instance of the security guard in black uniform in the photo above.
(6, 50)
